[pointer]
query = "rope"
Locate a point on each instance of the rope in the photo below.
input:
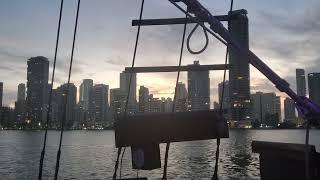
(307, 161)
(43, 152)
(67, 92)
(190, 35)
(215, 174)
(198, 22)
(175, 98)
(127, 100)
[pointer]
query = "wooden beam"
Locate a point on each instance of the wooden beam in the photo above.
(171, 21)
(156, 128)
(176, 68)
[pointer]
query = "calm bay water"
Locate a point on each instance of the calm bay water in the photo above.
(91, 155)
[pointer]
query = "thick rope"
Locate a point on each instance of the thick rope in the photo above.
(67, 92)
(189, 37)
(127, 100)
(307, 161)
(175, 98)
(43, 152)
(215, 174)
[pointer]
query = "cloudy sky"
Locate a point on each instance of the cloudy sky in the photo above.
(285, 34)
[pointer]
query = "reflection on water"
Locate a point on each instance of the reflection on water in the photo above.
(91, 155)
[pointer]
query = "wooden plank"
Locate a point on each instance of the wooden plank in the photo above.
(176, 68)
(172, 21)
(170, 127)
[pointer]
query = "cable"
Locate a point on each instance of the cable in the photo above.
(127, 100)
(190, 35)
(66, 95)
(215, 175)
(175, 98)
(43, 152)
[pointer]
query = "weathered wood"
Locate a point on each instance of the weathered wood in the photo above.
(280, 161)
(156, 128)
(176, 68)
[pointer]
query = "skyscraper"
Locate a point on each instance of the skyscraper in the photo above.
(301, 82)
(20, 103)
(166, 105)
(314, 87)
(266, 108)
(198, 89)
(68, 103)
(226, 98)
(117, 102)
(124, 84)
(1, 94)
(143, 99)
(154, 104)
(37, 90)
(124, 87)
(21, 92)
(99, 104)
(289, 110)
(85, 89)
(239, 74)
(181, 98)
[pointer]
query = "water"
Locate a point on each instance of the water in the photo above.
(91, 155)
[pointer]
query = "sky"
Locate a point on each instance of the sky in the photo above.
(284, 34)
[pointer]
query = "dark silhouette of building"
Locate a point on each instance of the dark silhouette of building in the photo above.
(263, 106)
(37, 90)
(226, 98)
(99, 104)
(20, 103)
(124, 87)
(181, 103)
(143, 99)
(7, 117)
(1, 94)
(239, 74)
(166, 105)
(85, 90)
(301, 82)
(314, 87)
(69, 101)
(289, 110)
(198, 89)
(117, 102)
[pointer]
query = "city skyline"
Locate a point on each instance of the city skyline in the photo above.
(274, 48)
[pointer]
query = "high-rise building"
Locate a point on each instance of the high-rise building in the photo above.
(198, 89)
(1, 94)
(20, 103)
(181, 103)
(21, 92)
(266, 108)
(166, 105)
(37, 90)
(67, 103)
(314, 87)
(124, 87)
(226, 98)
(117, 102)
(301, 82)
(239, 74)
(99, 104)
(143, 99)
(85, 89)
(289, 110)
(124, 84)
(154, 104)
